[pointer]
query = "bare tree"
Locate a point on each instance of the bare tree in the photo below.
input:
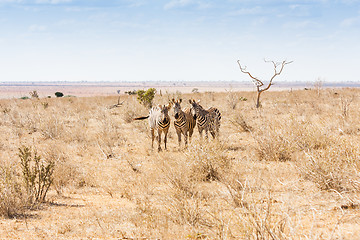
(258, 83)
(318, 85)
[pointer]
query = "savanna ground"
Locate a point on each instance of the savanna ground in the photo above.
(289, 170)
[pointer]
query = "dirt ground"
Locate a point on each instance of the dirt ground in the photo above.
(289, 170)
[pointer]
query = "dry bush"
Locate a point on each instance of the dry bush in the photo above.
(273, 145)
(240, 123)
(280, 140)
(263, 221)
(108, 136)
(12, 200)
(307, 136)
(51, 126)
(336, 168)
(208, 162)
(65, 172)
(132, 109)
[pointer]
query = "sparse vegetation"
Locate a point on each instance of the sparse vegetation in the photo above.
(146, 97)
(289, 170)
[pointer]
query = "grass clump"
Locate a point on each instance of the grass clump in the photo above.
(336, 169)
(11, 195)
(208, 162)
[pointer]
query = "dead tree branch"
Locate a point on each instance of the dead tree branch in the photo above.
(278, 68)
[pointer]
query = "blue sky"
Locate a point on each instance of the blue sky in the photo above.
(178, 40)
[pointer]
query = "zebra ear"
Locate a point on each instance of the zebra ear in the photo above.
(197, 101)
(180, 100)
(173, 100)
(190, 101)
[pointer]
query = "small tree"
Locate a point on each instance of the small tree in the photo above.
(258, 83)
(59, 94)
(34, 94)
(146, 97)
(318, 85)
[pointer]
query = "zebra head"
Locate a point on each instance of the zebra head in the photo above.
(195, 107)
(177, 107)
(164, 113)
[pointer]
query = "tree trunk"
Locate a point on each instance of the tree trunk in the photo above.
(258, 99)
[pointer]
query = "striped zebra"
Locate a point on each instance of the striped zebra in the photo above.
(184, 122)
(208, 120)
(158, 120)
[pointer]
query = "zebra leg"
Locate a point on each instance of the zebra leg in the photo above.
(165, 138)
(186, 138)
(206, 133)
(178, 132)
(212, 131)
(152, 138)
(159, 140)
(212, 134)
(190, 134)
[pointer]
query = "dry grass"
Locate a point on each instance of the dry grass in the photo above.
(289, 170)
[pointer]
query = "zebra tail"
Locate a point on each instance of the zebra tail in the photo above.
(141, 118)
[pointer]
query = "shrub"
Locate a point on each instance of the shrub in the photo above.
(240, 124)
(146, 97)
(273, 146)
(335, 168)
(195, 90)
(34, 94)
(37, 175)
(11, 200)
(133, 92)
(59, 94)
(209, 162)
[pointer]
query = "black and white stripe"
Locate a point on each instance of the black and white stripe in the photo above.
(208, 120)
(184, 122)
(159, 121)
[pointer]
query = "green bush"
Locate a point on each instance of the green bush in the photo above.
(37, 175)
(146, 97)
(59, 94)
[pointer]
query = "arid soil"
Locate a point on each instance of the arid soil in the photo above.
(287, 170)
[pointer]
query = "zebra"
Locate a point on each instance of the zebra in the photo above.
(158, 120)
(208, 120)
(184, 122)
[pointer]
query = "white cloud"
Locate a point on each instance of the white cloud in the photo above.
(247, 11)
(52, 1)
(177, 4)
(37, 28)
(184, 3)
(350, 22)
(300, 25)
(136, 3)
